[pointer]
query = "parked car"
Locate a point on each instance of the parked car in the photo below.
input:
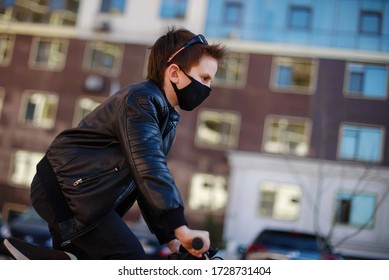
(30, 227)
(272, 244)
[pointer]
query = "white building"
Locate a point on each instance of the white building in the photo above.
(307, 193)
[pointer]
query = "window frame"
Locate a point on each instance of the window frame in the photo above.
(6, 16)
(356, 157)
(88, 65)
(110, 7)
(6, 59)
(370, 13)
(47, 65)
(77, 116)
(47, 14)
(209, 202)
(239, 8)
(12, 210)
(337, 215)
(233, 118)
(238, 61)
(267, 134)
(300, 8)
(41, 124)
(177, 14)
(294, 89)
(277, 187)
(30, 160)
(361, 94)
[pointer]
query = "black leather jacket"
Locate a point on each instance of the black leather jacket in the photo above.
(117, 155)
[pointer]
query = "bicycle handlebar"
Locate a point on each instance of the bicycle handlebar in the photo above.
(197, 243)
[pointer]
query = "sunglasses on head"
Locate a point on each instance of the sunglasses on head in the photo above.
(195, 40)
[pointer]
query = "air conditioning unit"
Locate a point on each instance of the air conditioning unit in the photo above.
(103, 26)
(94, 83)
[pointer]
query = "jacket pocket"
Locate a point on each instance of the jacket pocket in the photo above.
(95, 176)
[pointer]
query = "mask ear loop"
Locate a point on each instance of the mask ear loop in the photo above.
(183, 71)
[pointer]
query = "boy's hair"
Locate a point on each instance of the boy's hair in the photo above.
(167, 44)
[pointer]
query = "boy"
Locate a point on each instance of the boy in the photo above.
(92, 174)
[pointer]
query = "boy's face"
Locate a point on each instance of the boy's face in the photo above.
(204, 72)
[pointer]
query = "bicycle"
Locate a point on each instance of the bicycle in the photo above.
(197, 244)
(35, 252)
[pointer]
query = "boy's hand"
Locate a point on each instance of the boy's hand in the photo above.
(186, 235)
(174, 245)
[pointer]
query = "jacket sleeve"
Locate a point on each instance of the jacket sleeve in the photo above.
(162, 234)
(141, 138)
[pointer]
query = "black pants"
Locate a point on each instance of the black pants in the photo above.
(111, 239)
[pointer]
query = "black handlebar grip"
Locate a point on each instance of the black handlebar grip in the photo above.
(197, 243)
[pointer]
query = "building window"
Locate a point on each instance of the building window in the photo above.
(217, 129)
(55, 12)
(300, 17)
(294, 74)
(361, 143)
(370, 22)
(233, 13)
(84, 106)
(173, 9)
(279, 201)
(366, 81)
(207, 192)
(24, 167)
(286, 135)
(48, 54)
(6, 49)
(233, 71)
(6, 9)
(39, 109)
(355, 209)
(11, 211)
(113, 6)
(103, 58)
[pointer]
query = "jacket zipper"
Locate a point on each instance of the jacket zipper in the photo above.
(81, 180)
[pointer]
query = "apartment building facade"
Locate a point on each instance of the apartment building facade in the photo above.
(293, 135)
(316, 87)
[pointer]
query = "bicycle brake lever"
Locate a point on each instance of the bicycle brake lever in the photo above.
(183, 254)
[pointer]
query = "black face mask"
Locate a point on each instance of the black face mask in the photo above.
(192, 95)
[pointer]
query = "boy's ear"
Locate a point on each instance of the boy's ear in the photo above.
(172, 72)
